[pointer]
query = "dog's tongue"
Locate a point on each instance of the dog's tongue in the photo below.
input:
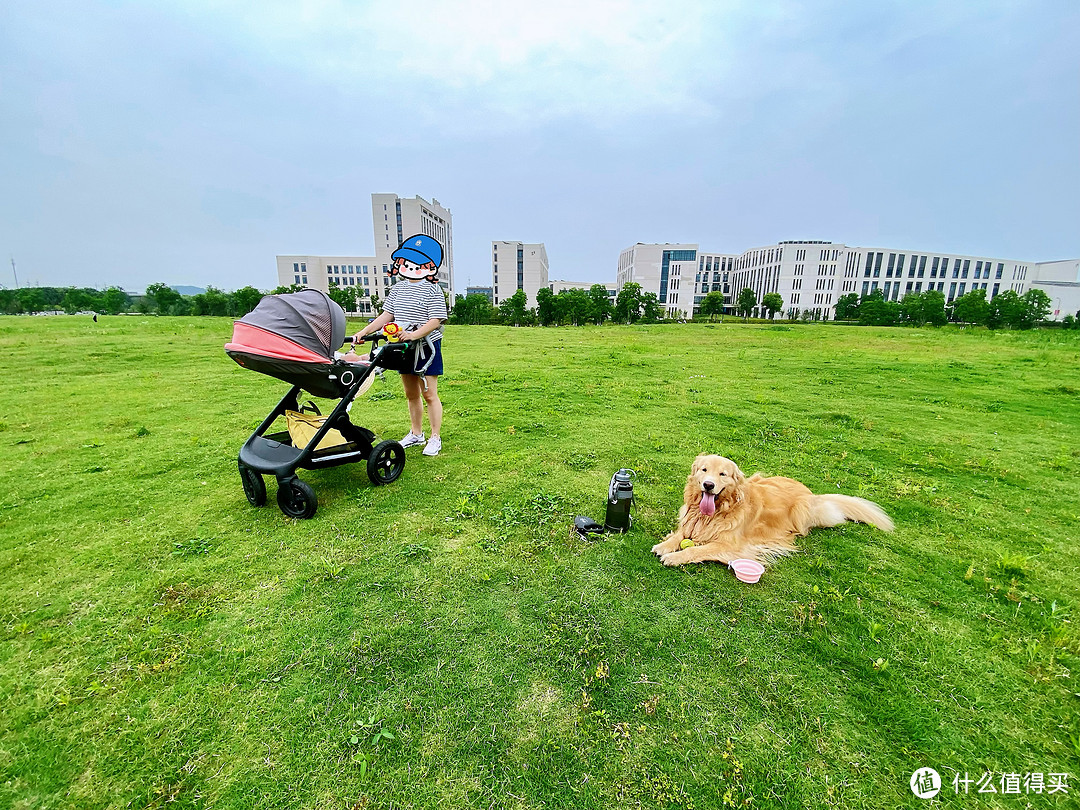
(708, 503)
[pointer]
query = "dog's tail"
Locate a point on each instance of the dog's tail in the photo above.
(832, 510)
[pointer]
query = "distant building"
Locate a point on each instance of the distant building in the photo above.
(663, 270)
(1061, 281)
(372, 273)
(810, 276)
(518, 266)
(484, 291)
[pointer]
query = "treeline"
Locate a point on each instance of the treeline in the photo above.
(1005, 310)
(112, 301)
(159, 298)
(566, 308)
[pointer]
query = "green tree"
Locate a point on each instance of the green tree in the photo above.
(245, 299)
(76, 300)
(745, 302)
(847, 307)
(1005, 310)
(772, 302)
(286, 289)
(513, 308)
(933, 307)
(712, 305)
(9, 302)
(472, 309)
(573, 306)
(601, 305)
(211, 302)
(651, 311)
(628, 303)
(547, 311)
(344, 297)
(971, 307)
(114, 301)
(32, 299)
(874, 310)
(1035, 306)
(165, 298)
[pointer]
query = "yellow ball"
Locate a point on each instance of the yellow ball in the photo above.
(687, 543)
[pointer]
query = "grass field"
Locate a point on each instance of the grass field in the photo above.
(443, 641)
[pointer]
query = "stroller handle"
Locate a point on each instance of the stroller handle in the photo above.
(375, 338)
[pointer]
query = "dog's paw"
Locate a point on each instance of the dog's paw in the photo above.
(658, 549)
(671, 558)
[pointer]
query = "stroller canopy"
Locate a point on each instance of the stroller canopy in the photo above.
(292, 337)
(306, 326)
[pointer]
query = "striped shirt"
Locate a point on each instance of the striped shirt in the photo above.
(413, 303)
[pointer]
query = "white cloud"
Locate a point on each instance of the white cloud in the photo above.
(599, 59)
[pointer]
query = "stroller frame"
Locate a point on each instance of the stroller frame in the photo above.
(275, 454)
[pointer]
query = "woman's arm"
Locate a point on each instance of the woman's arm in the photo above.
(423, 331)
(375, 325)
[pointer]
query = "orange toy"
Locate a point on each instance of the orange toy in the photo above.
(393, 332)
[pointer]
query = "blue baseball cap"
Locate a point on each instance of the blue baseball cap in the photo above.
(420, 249)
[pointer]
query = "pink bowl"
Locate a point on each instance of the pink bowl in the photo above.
(747, 570)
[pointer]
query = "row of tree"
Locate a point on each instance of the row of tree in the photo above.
(159, 298)
(1004, 310)
(568, 307)
(64, 299)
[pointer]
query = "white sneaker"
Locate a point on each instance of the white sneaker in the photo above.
(433, 446)
(410, 439)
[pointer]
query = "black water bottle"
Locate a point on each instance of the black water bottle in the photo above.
(620, 497)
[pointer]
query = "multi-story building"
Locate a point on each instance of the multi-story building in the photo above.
(393, 219)
(518, 266)
(1061, 281)
(484, 291)
(810, 276)
(664, 270)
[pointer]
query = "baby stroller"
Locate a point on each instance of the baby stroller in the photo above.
(295, 337)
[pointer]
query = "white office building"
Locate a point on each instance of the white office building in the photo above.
(810, 276)
(393, 218)
(518, 266)
(666, 270)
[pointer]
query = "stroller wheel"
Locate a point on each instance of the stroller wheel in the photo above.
(296, 499)
(386, 462)
(254, 487)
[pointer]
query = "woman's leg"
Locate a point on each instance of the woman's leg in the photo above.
(413, 394)
(434, 404)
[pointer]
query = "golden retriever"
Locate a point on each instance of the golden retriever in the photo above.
(729, 516)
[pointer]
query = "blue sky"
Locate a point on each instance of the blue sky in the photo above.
(191, 142)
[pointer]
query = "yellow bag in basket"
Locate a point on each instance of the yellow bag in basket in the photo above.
(302, 428)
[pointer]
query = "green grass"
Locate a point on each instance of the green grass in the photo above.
(443, 641)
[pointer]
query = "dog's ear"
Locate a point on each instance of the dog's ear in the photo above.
(737, 474)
